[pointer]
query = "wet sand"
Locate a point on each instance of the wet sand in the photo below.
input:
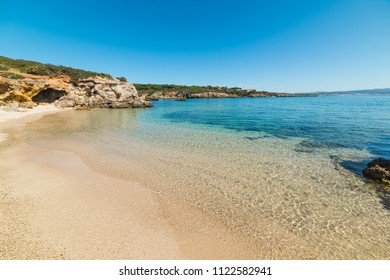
(79, 213)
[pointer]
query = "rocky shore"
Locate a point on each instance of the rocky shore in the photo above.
(28, 90)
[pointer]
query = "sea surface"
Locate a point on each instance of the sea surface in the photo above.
(283, 173)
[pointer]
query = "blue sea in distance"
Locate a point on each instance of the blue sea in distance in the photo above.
(360, 123)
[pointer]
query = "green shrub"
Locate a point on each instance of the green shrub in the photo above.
(186, 90)
(122, 79)
(12, 76)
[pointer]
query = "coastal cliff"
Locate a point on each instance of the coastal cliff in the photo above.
(30, 83)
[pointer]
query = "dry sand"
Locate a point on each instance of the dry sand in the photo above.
(39, 110)
(31, 114)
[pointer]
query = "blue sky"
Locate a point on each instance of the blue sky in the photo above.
(280, 45)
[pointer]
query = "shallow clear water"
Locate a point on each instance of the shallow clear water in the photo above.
(270, 169)
(360, 123)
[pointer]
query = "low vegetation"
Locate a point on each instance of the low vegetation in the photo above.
(151, 88)
(122, 79)
(10, 75)
(36, 68)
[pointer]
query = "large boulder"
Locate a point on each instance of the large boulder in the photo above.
(378, 170)
(147, 104)
(102, 93)
(105, 93)
(65, 103)
(119, 105)
(137, 104)
(154, 97)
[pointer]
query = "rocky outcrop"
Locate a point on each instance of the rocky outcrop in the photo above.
(378, 170)
(27, 86)
(102, 93)
(212, 94)
(180, 96)
(94, 92)
(154, 97)
(166, 95)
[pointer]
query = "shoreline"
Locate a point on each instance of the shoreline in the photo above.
(64, 195)
(11, 117)
(61, 209)
(38, 111)
(58, 208)
(54, 206)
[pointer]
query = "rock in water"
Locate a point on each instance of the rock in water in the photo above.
(378, 170)
(381, 162)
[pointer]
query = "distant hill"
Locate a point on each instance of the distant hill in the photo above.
(379, 91)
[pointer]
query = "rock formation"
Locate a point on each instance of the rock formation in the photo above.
(102, 93)
(154, 97)
(27, 86)
(212, 94)
(378, 170)
(94, 92)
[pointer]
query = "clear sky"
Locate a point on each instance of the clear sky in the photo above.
(279, 45)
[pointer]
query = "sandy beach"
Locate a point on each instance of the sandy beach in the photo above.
(110, 184)
(38, 111)
(53, 206)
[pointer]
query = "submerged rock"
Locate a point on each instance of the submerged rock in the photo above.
(378, 170)
(381, 162)
(136, 104)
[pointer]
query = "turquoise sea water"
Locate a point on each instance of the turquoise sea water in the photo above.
(283, 173)
(358, 123)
